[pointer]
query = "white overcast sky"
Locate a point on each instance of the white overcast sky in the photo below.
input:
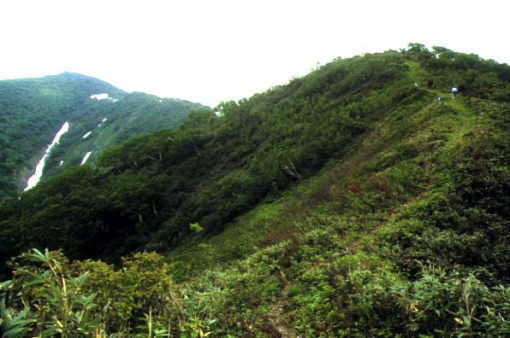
(215, 50)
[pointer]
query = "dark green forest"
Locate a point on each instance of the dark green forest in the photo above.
(360, 200)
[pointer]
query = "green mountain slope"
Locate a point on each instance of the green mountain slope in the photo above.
(350, 202)
(32, 110)
(101, 125)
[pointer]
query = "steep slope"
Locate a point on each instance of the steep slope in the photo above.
(33, 110)
(350, 202)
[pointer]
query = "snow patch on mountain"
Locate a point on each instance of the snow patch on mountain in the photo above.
(85, 158)
(103, 96)
(99, 97)
(36, 177)
(87, 134)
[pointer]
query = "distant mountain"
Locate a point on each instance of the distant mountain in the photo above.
(99, 115)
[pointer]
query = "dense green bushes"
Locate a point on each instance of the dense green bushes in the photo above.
(90, 297)
(465, 222)
(51, 295)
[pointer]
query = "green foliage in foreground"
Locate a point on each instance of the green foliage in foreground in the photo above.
(50, 296)
(399, 229)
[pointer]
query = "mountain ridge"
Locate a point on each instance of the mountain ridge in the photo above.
(363, 199)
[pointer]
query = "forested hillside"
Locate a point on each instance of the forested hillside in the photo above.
(32, 110)
(360, 200)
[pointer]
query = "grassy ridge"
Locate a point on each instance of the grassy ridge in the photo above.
(397, 238)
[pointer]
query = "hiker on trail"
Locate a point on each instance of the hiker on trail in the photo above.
(455, 90)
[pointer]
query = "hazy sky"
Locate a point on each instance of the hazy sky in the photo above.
(214, 50)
